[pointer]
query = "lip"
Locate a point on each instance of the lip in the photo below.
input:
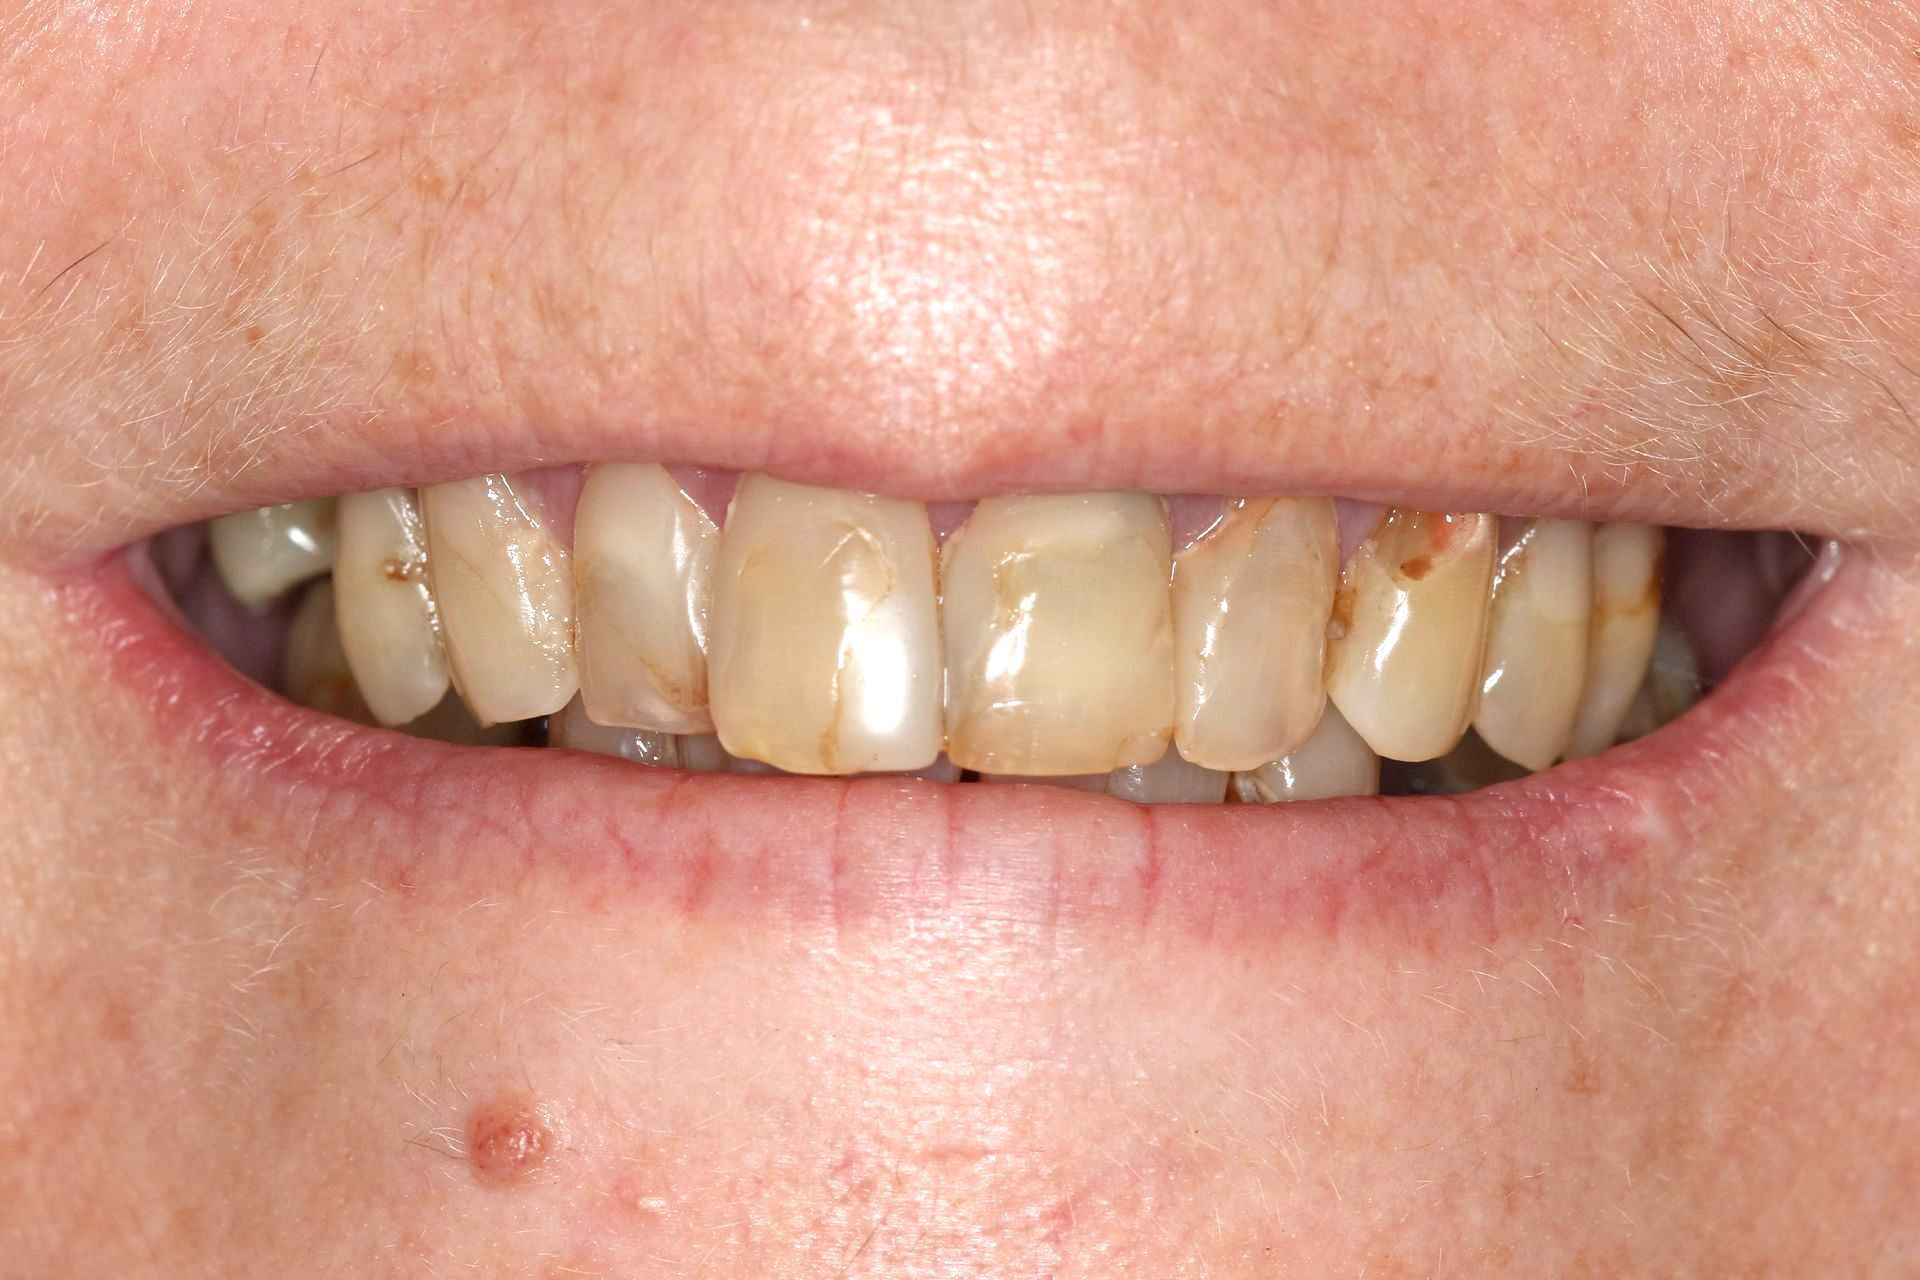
(447, 826)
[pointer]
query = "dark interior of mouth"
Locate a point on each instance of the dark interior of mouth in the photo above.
(1719, 594)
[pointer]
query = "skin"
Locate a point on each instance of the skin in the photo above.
(1656, 263)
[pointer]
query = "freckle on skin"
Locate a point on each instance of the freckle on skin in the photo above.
(508, 1138)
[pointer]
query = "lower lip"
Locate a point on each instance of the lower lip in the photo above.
(449, 825)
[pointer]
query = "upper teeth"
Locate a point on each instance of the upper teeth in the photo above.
(823, 631)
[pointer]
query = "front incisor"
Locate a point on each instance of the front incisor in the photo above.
(1537, 642)
(825, 650)
(1251, 599)
(1059, 632)
(1410, 631)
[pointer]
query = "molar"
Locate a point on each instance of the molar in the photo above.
(1536, 661)
(262, 553)
(389, 627)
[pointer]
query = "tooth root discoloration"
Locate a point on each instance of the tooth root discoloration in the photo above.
(264, 553)
(1537, 638)
(389, 624)
(1626, 620)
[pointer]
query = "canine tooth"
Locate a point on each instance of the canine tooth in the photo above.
(1672, 684)
(1626, 618)
(1537, 630)
(1251, 599)
(643, 556)
(261, 553)
(388, 626)
(1409, 631)
(316, 670)
(1168, 780)
(505, 595)
(1059, 634)
(825, 650)
(1335, 761)
(573, 729)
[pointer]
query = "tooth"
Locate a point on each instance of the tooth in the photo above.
(825, 650)
(643, 555)
(1059, 634)
(1626, 617)
(263, 552)
(1672, 684)
(1409, 631)
(1537, 630)
(1251, 600)
(702, 753)
(505, 594)
(1471, 764)
(316, 671)
(450, 721)
(573, 729)
(387, 622)
(1095, 782)
(1335, 761)
(1168, 780)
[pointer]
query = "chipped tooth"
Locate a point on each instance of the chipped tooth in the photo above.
(1168, 780)
(505, 595)
(388, 625)
(1409, 631)
(262, 553)
(1672, 684)
(643, 557)
(1251, 599)
(1059, 634)
(1334, 762)
(1537, 628)
(572, 728)
(1626, 619)
(825, 652)
(316, 673)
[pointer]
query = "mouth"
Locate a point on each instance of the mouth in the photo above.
(1238, 716)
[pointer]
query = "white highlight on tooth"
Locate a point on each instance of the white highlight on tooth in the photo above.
(1059, 629)
(1251, 600)
(1168, 780)
(1626, 619)
(825, 650)
(1536, 660)
(1409, 631)
(574, 730)
(643, 563)
(262, 553)
(1334, 762)
(388, 624)
(504, 588)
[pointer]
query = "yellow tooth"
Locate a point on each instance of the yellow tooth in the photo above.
(826, 631)
(574, 730)
(1409, 631)
(1626, 618)
(316, 671)
(1335, 761)
(1537, 643)
(1168, 780)
(388, 624)
(643, 557)
(505, 594)
(1251, 600)
(261, 553)
(1059, 634)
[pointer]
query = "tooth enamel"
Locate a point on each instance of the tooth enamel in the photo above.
(315, 672)
(702, 753)
(825, 652)
(1335, 761)
(1059, 634)
(1672, 684)
(1251, 601)
(1472, 764)
(1626, 618)
(1537, 628)
(1094, 782)
(388, 627)
(1409, 631)
(261, 553)
(450, 721)
(1168, 780)
(575, 730)
(643, 557)
(504, 589)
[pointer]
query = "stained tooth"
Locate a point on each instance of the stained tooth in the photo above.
(825, 649)
(1168, 780)
(1626, 617)
(1537, 630)
(505, 594)
(261, 553)
(316, 671)
(573, 729)
(1672, 684)
(388, 626)
(1059, 634)
(643, 556)
(1409, 631)
(1335, 761)
(1251, 601)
